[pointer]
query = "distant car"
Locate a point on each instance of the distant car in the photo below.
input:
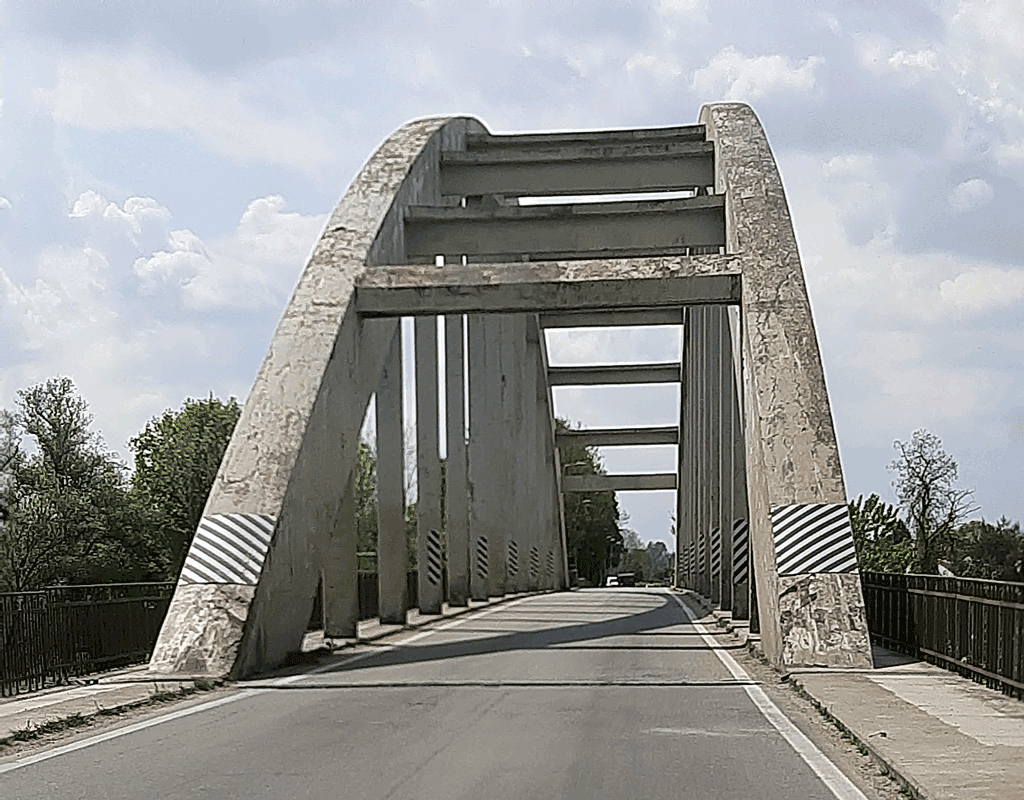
(626, 579)
(611, 580)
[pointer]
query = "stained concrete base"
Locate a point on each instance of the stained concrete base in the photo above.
(202, 629)
(823, 622)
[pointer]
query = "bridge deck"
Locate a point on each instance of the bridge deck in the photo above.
(603, 693)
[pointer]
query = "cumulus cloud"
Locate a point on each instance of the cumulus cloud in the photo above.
(970, 194)
(730, 75)
(5, 204)
(125, 309)
(983, 289)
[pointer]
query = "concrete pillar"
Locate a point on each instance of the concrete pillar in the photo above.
(391, 554)
(520, 455)
(723, 381)
(533, 461)
(714, 415)
(479, 456)
(428, 468)
(456, 496)
(703, 453)
(339, 577)
(684, 531)
(500, 500)
(742, 574)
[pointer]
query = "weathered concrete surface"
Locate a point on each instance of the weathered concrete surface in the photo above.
(295, 443)
(823, 622)
(792, 456)
(202, 629)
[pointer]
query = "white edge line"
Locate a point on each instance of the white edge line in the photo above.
(841, 786)
(186, 712)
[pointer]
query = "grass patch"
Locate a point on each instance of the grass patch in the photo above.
(79, 720)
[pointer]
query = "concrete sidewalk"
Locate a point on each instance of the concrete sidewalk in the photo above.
(944, 735)
(133, 686)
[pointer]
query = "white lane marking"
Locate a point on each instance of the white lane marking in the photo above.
(841, 786)
(186, 712)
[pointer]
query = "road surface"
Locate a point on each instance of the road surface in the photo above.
(592, 694)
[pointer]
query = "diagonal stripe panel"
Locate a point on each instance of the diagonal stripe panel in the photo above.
(228, 548)
(813, 537)
(740, 534)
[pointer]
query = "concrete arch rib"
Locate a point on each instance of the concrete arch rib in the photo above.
(292, 452)
(793, 468)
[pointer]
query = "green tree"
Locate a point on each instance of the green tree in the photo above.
(68, 518)
(933, 506)
(994, 552)
(177, 456)
(881, 539)
(366, 499)
(592, 519)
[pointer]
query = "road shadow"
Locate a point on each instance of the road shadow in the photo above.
(665, 615)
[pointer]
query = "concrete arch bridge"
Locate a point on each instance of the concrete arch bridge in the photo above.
(433, 227)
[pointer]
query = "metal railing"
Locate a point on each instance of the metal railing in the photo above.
(970, 626)
(52, 635)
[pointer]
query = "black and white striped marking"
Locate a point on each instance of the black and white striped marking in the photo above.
(481, 558)
(716, 554)
(813, 537)
(434, 557)
(513, 559)
(228, 548)
(550, 571)
(534, 563)
(740, 537)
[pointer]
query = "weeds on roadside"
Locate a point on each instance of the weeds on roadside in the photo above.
(78, 720)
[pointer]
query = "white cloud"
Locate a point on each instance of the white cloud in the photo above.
(124, 310)
(105, 91)
(5, 204)
(250, 269)
(732, 76)
(983, 289)
(970, 194)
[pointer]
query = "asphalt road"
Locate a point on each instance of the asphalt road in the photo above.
(593, 694)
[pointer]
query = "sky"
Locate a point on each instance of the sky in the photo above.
(165, 169)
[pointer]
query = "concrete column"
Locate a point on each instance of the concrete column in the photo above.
(340, 567)
(703, 452)
(428, 468)
(533, 462)
(723, 380)
(391, 555)
(500, 500)
(479, 456)
(519, 457)
(456, 477)
(683, 524)
(714, 484)
(742, 561)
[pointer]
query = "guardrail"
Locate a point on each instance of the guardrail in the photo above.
(52, 635)
(970, 626)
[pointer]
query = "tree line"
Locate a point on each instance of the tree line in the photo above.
(72, 512)
(928, 530)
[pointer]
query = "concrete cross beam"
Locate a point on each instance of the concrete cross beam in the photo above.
(613, 437)
(608, 374)
(611, 318)
(649, 481)
(585, 230)
(675, 133)
(581, 169)
(551, 285)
